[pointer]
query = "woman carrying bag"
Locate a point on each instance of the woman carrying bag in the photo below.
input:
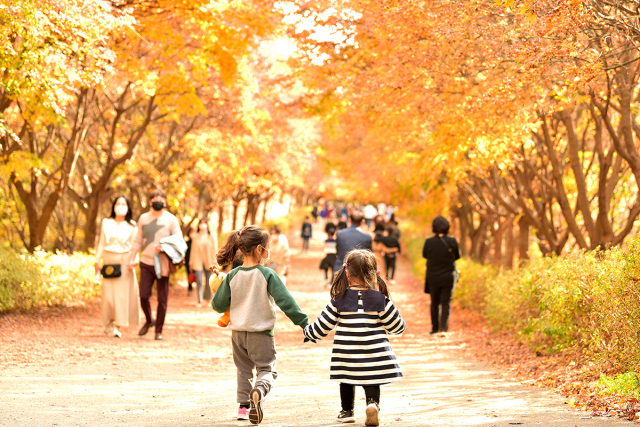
(120, 293)
(441, 252)
(202, 256)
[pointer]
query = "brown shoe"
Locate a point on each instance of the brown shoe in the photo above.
(145, 328)
(158, 336)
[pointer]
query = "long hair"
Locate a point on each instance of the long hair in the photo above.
(362, 265)
(129, 216)
(245, 240)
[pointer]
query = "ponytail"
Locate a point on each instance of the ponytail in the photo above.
(245, 241)
(227, 253)
(340, 283)
(382, 285)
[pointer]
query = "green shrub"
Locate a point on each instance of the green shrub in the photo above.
(45, 279)
(627, 384)
(586, 301)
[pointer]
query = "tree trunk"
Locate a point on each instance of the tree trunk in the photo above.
(524, 233)
(478, 235)
(498, 235)
(247, 213)
(94, 203)
(234, 218)
(510, 244)
(220, 218)
(463, 220)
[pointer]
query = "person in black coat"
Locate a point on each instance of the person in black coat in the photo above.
(441, 252)
(351, 238)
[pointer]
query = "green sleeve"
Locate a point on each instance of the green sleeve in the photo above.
(222, 299)
(285, 301)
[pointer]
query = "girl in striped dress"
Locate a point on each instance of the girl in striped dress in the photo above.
(363, 313)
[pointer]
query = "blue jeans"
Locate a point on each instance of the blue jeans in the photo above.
(204, 292)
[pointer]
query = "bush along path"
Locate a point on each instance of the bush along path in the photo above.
(58, 369)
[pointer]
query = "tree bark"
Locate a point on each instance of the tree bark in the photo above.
(509, 244)
(524, 239)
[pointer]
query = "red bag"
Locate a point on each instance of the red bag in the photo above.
(191, 278)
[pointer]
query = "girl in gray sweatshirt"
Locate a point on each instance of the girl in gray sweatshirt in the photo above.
(252, 292)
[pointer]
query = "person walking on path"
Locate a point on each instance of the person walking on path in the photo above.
(329, 260)
(351, 238)
(391, 246)
(306, 233)
(441, 252)
(370, 212)
(203, 255)
(120, 303)
(279, 254)
(191, 278)
(252, 292)
(153, 226)
(362, 355)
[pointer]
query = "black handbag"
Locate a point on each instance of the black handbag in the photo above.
(111, 271)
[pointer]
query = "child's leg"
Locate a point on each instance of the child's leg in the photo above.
(262, 351)
(244, 364)
(347, 396)
(372, 393)
(326, 274)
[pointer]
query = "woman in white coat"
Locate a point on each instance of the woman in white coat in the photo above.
(120, 295)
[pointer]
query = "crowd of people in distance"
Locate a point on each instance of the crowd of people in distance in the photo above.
(378, 221)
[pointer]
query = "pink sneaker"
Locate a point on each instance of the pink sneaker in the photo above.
(243, 413)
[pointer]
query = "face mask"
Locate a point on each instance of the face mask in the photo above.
(263, 261)
(157, 206)
(121, 210)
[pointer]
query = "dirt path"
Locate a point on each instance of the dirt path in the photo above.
(58, 369)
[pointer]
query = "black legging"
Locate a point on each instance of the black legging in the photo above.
(440, 298)
(390, 262)
(348, 395)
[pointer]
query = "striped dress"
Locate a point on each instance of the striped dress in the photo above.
(361, 352)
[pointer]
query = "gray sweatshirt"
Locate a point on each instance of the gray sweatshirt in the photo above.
(252, 294)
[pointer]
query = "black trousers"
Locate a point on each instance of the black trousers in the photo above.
(440, 307)
(348, 395)
(147, 278)
(390, 262)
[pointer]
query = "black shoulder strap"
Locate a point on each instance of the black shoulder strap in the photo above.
(448, 248)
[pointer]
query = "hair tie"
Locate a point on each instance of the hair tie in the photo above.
(239, 233)
(345, 265)
(378, 272)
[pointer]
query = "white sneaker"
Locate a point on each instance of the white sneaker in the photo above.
(116, 332)
(372, 415)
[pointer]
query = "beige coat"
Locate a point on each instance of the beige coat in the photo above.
(120, 295)
(279, 253)
(203, 251)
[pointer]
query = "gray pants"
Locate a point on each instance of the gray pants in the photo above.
(204, 291)
(254, 350)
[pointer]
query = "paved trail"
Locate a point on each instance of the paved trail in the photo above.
(58, 369)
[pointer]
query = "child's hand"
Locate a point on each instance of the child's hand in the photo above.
(214, 269)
